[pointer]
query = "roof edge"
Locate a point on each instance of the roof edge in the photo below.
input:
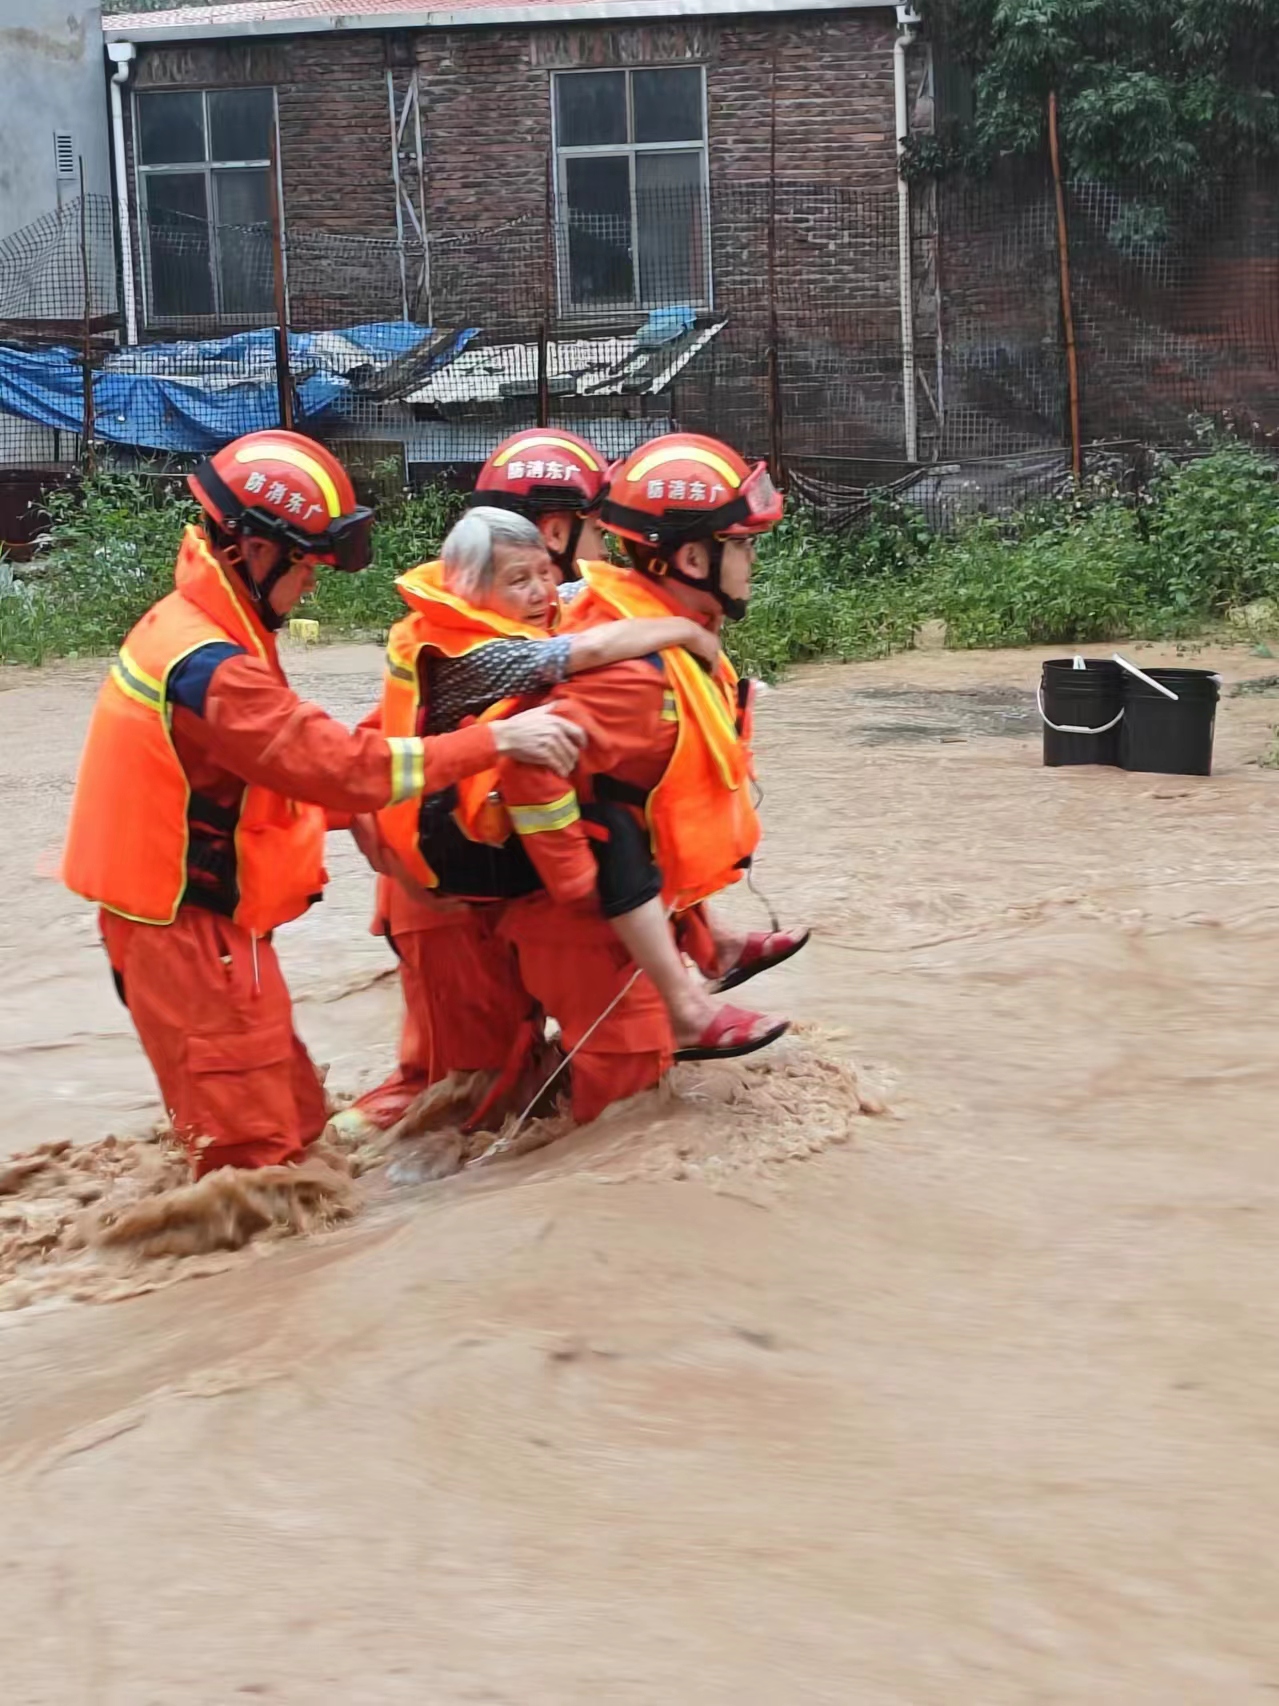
(476, 17)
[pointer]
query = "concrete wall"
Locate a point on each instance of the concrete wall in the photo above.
(53, 79)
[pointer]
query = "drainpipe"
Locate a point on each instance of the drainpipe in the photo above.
(907, 22)
(121, 55)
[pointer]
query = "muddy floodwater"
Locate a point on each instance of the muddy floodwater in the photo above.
(740, 1398)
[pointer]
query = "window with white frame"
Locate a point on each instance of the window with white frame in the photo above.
(632, 185)
(203, 158)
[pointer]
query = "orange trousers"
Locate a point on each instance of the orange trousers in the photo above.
(574, 966)
(463, 999)
(237, 1082)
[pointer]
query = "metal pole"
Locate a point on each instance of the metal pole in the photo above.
(543, 340)
(549, 235)
(1067, 307)
(775, 429)
(901, 116)
(543, 379)
(88, 428)
(427, 286)
(283, 375)
(395, 175)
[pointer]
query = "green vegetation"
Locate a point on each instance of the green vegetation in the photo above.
(109, 554)
(1174, 92)
(1199, 541)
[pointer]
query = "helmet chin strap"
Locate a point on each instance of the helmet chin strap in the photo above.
(260, 591)
(734, 608)
(566, 560)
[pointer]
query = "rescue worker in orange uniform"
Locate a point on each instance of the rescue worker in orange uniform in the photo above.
(556, 480)
(206, 787)
(477, 632)
(666, 765)
(460, 999)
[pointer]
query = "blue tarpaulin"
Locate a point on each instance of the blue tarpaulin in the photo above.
(195, 396)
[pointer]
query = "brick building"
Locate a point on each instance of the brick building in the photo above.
(573, 165)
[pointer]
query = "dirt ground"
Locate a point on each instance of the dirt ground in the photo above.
(707, 1406)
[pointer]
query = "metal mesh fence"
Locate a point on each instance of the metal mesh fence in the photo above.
(769, 314)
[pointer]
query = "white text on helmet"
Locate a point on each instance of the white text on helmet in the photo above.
(694, 491)
(278, 493)
(557, 471)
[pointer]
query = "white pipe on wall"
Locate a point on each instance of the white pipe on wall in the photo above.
(122, 55)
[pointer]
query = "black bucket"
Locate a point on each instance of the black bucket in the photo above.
(1081, 711)
(1173, 737)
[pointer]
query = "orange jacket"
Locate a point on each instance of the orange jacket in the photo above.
(448, 625)
(130, 832)
(674, 732)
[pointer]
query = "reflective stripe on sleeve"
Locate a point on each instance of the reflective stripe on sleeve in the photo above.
(408, 767)
(541, 820)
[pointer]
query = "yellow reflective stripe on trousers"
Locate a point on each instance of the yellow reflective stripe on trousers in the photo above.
(670, 713)
(136, 683)
(408, 767)
(541, 820)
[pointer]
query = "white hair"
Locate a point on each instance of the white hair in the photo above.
(467, 553)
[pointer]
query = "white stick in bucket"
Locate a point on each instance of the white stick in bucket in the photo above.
(1142, 676)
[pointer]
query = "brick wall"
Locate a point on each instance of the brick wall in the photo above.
(485, 104)
(334, 153)
(486, 111)
(1198, 332)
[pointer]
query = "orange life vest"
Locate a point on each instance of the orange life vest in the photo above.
(129, 835)
(441, 622)
(701, 817)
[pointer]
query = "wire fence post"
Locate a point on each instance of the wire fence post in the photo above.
(283, 374)
(88, 428)
(543, 339)
(1067, 306)
(776, 431)
(543, 379)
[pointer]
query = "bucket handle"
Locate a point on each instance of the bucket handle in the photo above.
(1073, 728)
(1142, 676)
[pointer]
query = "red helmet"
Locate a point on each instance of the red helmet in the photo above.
(542, 470)
(684, 487)
(280, 485)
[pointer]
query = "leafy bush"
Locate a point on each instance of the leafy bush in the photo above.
(408, 532)
(1075, 582)
(1214, 533)
(819, 594)
(107, 556)
(109, 553)
(1095, 563)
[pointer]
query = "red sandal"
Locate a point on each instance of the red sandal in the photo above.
(756, 955)
(728, 1036)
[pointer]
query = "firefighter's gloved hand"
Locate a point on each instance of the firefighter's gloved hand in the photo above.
(541, 737)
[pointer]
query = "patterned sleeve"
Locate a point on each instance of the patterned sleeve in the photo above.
(502, 669)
